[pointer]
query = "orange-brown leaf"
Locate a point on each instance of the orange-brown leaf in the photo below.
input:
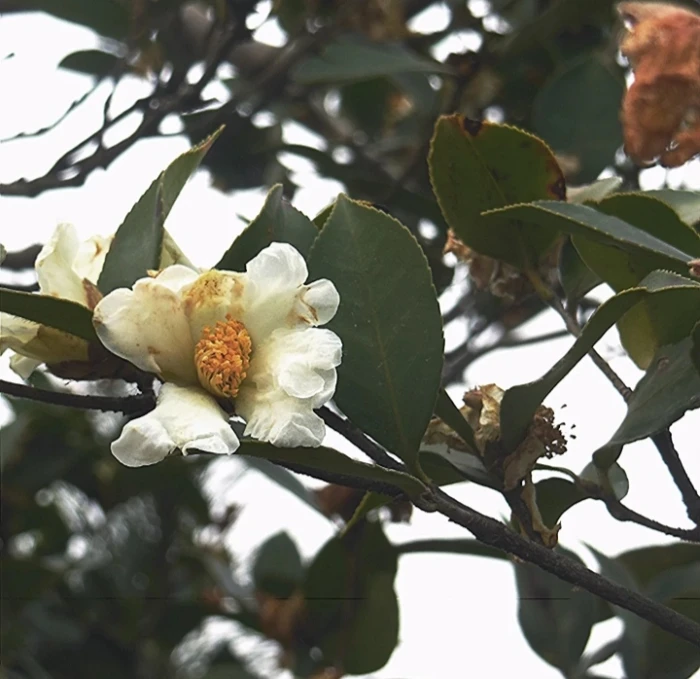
(661, 110)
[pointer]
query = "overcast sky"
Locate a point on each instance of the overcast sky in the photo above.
(458, 614)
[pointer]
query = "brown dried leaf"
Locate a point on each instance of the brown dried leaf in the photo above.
(661, 110)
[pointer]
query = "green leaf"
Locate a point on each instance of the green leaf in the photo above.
(575, 277)
(106, 17)
(556, 618)
(445, 465)
(598, 190)
(695, 349)
(353, 613)
(366, 104)
(612, 480)
(573, 122)
(605, 652)
(654, 218)
(322, 217)
(646, 327)
(669, 574)
(590, 223)
(659, 321)
(137, 244)
(616, 570)
(56, 313)
(555, 496)
(479, 166)
(389, 321)
(668, 389)
(90, 62)
(667, 656)
(282, 477)
(362, 183)
(277, 222)
(450, 414)
(229, 670)
(352, 57)
(278, 569)
(467, 546)
(646, 563)
(520, 402)
(328, 459)
(685, 203)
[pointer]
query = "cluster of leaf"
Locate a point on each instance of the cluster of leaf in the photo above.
(102, 570)
(366, 83)
(128, 599)
(390, 379)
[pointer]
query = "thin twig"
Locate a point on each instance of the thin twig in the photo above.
(129, 405)
(572, 325)
(31, 287)
(21, 259)
(662, 441)
(359, 439)
(619, 511)
(154, 107)
(691, 499)
(622, 513)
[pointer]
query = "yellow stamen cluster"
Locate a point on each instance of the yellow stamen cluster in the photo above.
(222, 357)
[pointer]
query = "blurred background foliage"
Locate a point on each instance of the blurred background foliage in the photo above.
(117, 568)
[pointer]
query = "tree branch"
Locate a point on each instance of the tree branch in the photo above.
(129, 405)
(491, 532)
(342, 479)
(495, 534)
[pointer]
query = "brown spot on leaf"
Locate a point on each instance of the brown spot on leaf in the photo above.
(558, 188)
(472, 127)
(694, 266)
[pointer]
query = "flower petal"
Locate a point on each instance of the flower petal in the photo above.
(148, 326)
(171, 253)
(275, 296)
(279, 266)
(185, 419)
(212, 296)
(15, 332)
(54, 266)
(286, 423)
(317, 302)
(35, 344)
(23, 365)
(90, 257)
(290, 375)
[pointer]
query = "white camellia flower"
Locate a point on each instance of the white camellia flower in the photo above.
(249, 338)
(62, 267)
(69, 269)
